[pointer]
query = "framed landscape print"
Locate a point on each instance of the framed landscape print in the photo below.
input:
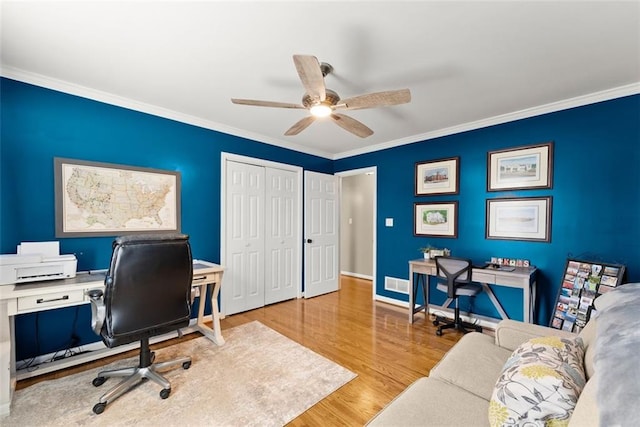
(103, 199)
(523, 218)
(437, 219)
(437, 177)
(520, 168)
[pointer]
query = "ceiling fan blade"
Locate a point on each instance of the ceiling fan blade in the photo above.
(311, 76)
(378, 99)
(300, 126)
(265, 103)
(351, 125)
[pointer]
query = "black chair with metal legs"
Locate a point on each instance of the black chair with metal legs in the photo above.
(147, 293)
(454, 278)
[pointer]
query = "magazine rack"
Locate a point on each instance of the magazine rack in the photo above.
(582, 282)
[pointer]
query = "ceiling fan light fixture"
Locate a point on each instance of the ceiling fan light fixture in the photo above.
(320, 110)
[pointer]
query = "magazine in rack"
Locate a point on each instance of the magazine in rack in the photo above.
(582, 282)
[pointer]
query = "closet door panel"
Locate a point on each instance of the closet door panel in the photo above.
(244, 278)
(281, 241)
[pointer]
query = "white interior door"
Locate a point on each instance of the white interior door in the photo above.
(282, 263)
(322, 238)
(244, 275)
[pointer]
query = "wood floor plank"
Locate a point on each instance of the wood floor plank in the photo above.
(372, 339)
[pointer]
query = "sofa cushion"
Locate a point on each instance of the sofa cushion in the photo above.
(617, 346)
(431, 402)
(588, 335)
(540, 382)
(511, 333)
(586, 411)
(474, 363)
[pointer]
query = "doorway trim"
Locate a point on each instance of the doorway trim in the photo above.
(361, 171)
(224, 158)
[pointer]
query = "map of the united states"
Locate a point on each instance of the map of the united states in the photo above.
(113, 199)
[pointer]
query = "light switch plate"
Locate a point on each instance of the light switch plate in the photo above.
(388, 222)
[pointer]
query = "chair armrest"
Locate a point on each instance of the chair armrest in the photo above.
(98, 310)
(511, 333)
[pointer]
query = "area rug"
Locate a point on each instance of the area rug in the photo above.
(257, 378)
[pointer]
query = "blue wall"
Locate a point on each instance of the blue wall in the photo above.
(596, 191)
(40, 124)
(596, 198)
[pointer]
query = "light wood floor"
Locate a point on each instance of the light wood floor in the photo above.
(372, 339)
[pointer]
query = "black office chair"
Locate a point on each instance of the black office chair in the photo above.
(456, 273)
(147, 293)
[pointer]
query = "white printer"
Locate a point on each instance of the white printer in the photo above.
(35, 261)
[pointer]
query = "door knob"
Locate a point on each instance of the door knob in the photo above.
(309, 241)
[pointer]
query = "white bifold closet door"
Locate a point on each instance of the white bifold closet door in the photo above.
(261, 249)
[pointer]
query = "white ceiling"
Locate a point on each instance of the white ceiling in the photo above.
(467, 64)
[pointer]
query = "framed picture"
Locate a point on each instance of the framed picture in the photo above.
(102, 199)
(437, 177)
(436, 219)
(520, 168)
(524, 218)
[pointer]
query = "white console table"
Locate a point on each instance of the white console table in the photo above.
(39, 296)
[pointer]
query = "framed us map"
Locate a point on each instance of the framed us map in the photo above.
(103, 199)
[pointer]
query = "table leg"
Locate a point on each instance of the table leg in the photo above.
(215, 333)
(7, 359)
(495, 301)
(531, 304)
(412, 292)
(215, 312)
(425, 295)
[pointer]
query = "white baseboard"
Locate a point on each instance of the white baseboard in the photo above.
(358, 275)
(89, 352)
(484, 321)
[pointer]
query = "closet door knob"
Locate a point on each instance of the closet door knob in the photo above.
(309, 241)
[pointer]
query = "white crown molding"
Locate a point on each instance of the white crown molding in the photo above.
(111, 99)
(108, 98)
(579, 101)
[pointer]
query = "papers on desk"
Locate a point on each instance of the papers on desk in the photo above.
(491, 266)
(45, 249)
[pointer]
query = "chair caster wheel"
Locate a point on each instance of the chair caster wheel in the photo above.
(98, 408)
(186, 365)
(439, 333)
(436, 322)
(97, 382)
(165, 392)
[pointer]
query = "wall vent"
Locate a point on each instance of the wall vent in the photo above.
(396, 285)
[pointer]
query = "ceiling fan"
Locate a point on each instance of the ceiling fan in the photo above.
(322, 102)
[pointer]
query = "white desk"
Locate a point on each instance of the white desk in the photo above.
(40, 296)
(522, 277)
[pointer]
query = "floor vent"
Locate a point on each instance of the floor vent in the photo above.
(396, 285)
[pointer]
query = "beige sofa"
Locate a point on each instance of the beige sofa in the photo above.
(459, 388)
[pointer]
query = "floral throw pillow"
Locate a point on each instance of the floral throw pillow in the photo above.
(540, 383)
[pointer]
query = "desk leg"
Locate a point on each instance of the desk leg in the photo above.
(425, 295)
(417, 280)
(529, 303)
(412, 292)
(214, 334)
(495, 301)
(7, 359)
(215, 312)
